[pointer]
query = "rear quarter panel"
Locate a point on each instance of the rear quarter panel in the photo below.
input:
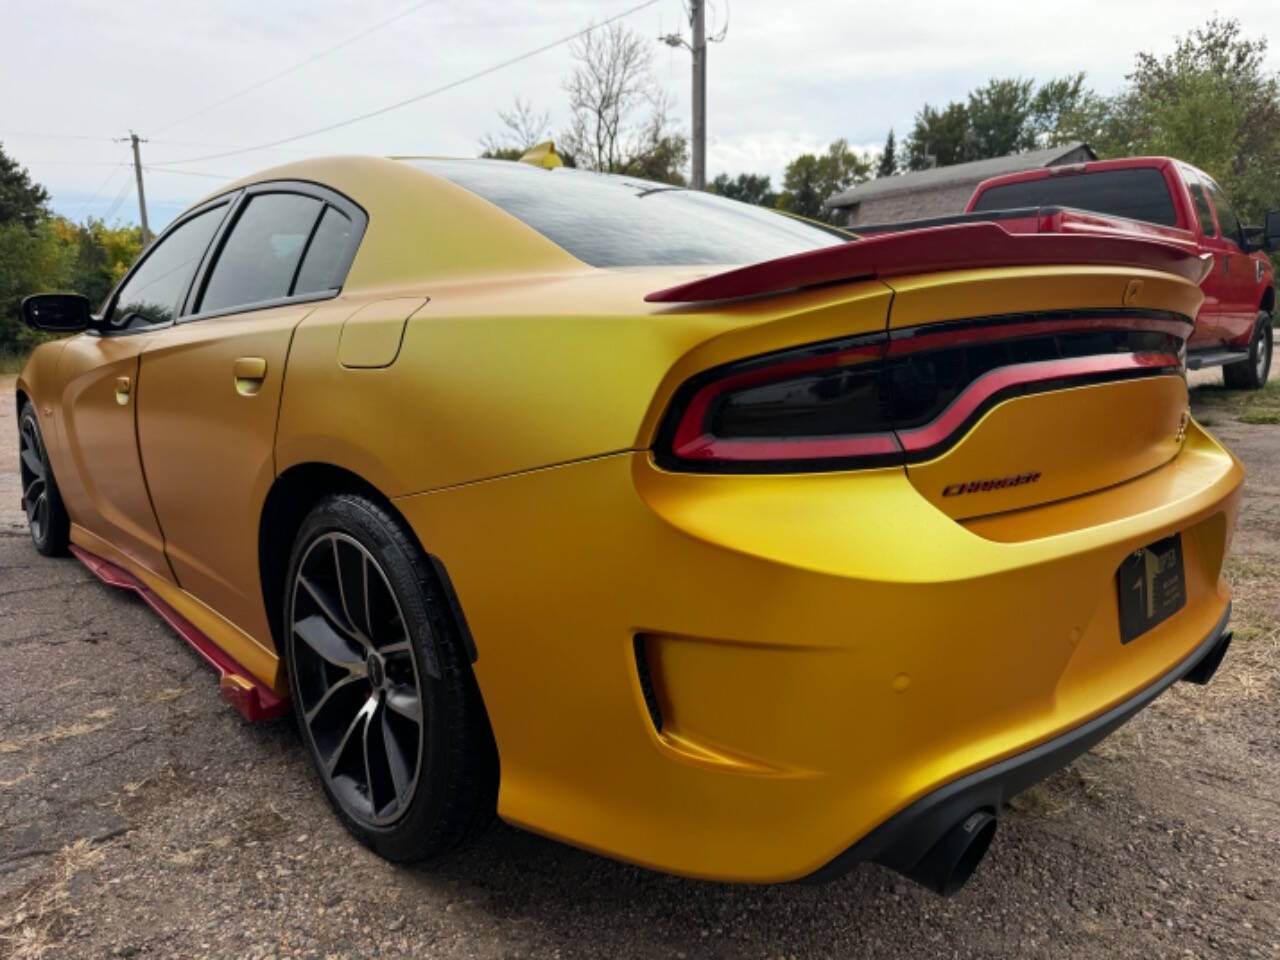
(514, 374)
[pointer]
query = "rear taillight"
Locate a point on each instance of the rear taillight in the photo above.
(887, 399)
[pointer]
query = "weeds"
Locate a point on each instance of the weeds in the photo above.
(39, 924)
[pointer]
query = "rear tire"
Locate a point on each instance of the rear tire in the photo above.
(382, 688)
(47, 519)
(1252, 374)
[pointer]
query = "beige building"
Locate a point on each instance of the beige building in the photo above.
(943, 190)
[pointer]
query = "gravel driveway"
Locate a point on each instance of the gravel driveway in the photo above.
(140, 817)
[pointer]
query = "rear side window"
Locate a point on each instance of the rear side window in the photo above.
(325, 265)
(261, 255)
(154, 292)
(1203, 213)
(1139, 194)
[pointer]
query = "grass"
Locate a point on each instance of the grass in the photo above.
(11, 362)
(44, 914)
(1213, 402)
(1260, 416)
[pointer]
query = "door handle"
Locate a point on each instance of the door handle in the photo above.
(249, 374)
(122, 390)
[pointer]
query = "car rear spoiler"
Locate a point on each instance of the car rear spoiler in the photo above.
(951, 247)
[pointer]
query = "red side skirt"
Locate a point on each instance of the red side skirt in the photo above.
(254, 699)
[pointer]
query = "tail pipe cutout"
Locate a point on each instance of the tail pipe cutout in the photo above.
(949, 863)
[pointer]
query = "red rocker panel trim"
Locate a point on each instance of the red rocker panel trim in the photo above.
(930, 249)
(249, 695)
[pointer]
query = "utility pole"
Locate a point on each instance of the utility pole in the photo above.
(698, 21)
(697, 15)
(142, 197)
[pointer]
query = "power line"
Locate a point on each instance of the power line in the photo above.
(72, 136)
(69, 163)
(97, 193)
(120, 198)
(297, 66)
(419, 97)
(228, 177)
(52, 136)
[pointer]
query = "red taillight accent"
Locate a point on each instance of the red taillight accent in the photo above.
(692, 442)
(900, 397)
(925, 338)
(951, 420)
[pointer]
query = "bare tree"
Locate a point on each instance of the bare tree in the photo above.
(618, 113)
(522, 128)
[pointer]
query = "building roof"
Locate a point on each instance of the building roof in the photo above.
(971, 172)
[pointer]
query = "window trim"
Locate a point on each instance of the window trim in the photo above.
(327, 196)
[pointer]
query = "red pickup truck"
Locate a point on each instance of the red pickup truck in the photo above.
(1164, 199)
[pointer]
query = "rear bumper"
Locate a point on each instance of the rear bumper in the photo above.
(824, 650)
(904, 839)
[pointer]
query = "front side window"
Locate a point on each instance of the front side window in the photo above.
(153, 294)
(260, 257)
(1203, 213)
(1227, 218)
(1138, 193)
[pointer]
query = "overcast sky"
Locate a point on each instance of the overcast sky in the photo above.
(788, 78)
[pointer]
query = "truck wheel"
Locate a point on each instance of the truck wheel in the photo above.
(1252, 374)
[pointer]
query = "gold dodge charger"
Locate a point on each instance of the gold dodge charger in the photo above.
(684, 531)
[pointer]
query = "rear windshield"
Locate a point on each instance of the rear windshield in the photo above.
(1140, 194)
(616, 221)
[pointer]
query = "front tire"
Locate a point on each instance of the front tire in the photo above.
(47, 519)
(383, 692)
(1252, 374)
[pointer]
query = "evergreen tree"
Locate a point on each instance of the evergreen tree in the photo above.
(888, 164)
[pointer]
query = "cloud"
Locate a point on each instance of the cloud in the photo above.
(787, 79)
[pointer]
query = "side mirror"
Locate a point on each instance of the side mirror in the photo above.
(1271, 231)
(57, 312)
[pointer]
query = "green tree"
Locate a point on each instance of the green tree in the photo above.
(41, 253)
(21, 199)
(1211, 102)
(887, 165)
(811, 179)
(98, 255)
(1054, 105)
(999, 115)
(748, 187)
(1005, 115)
(939, 137)
(32, 260)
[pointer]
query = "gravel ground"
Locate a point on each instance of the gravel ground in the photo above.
(140, 817)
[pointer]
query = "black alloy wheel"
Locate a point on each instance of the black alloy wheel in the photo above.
(47, 518)
(382, 689)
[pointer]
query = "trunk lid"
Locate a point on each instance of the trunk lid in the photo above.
(1023, 387)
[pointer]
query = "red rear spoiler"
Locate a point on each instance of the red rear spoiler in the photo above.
(952, 247)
